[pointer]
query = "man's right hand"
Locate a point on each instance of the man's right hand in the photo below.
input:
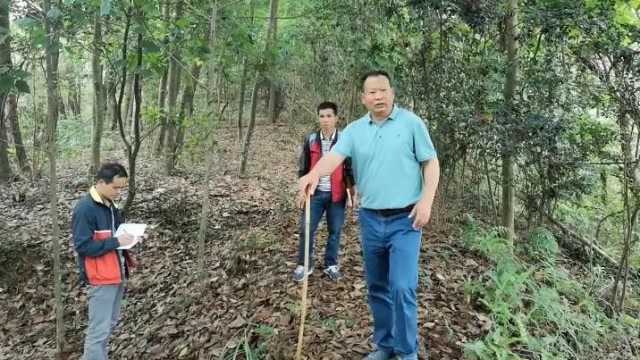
(300, 200)
(125, 239)
(308, 184)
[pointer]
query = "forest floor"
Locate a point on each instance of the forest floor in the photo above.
(249, 299)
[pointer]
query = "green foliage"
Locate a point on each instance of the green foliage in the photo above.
(13, 80)
(542, 245)
(252, 345)
(489, 243)
(542, 313)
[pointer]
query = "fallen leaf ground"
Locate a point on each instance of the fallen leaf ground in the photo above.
(248, 299)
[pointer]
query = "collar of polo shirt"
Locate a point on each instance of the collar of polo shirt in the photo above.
(391, 116)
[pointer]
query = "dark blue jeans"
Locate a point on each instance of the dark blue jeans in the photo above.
(391, 249)
(321, 203)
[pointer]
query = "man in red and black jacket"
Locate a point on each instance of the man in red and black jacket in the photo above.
(102, 266)
(331, 196)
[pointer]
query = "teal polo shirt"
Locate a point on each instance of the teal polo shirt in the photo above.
(386, 158)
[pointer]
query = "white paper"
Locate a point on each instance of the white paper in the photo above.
(136, 230)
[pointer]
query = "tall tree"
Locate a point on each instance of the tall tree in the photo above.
(16, 133)
(99, 99)
(211, 153)
(511, 47)
(132, 144)
(274, 87)
(243, 78)
(259, 81)
(162, 88)
(186, 108)
(5, 65)
(172, 97)
(52, 20)
(162, 113)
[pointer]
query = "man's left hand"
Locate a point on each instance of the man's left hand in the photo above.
(420, 214)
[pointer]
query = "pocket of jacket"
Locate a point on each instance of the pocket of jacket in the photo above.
(103, 269)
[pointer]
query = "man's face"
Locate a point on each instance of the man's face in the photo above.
(327, 119)
(113, 190)
(377, 96)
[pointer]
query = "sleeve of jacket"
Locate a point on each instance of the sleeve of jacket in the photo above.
(83, 226)
(305, 158)
(348, 173)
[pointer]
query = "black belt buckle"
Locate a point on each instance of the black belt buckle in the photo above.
(392, 212)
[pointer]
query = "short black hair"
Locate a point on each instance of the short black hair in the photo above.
(108, 171)
(328, 105)
(374, 73)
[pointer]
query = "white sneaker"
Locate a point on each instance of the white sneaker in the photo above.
(298, 274)
(333, 272)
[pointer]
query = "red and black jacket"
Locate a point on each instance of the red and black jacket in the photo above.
(341, 178)
(93, 223)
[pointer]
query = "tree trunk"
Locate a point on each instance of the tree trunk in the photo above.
(243, 90)
(252, 122)
(508, 192)
(128, 104)
(204, 218)
(631, 188)
(5, 167)
(5, 62)
(74, 96)
(162, 90)
(99, 96)
(174, 87)
(111, 90)
(62, 109)
(132, 150)
(38, 121)
(16, 133)
(274, 88)
(186, 108)
(51, 55)
(275, 99)
(260, 79)
(243, 80)
(162, 97)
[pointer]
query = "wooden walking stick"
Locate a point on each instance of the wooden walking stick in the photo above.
(305, 282)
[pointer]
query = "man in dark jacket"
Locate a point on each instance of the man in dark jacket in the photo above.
(331, 196)
(102, 266)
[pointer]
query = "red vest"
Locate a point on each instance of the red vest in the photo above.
(338, 189)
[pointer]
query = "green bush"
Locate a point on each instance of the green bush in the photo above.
(543, 245)
(537, 312)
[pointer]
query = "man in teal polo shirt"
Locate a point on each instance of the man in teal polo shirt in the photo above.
(397, 172)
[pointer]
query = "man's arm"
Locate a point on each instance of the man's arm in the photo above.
(327, 164)
(303, 161)
(83, 232)
(421, 213)
(350, 184)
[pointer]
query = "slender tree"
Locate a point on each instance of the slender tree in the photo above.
(99, 98)
(52, 20)
(511, 81)
(5, 65)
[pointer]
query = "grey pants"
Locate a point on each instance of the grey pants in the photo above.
(104, 311)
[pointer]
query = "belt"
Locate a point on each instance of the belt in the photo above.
(392, 212)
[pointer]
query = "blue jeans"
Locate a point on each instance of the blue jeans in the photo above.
(104, 312)
(391, 249)
(320, 203)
